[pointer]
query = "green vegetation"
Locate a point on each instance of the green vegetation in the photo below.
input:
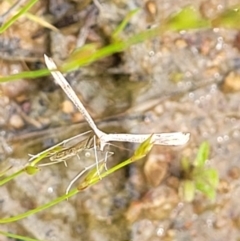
(188, 18)
(18, 237)
(20, 13)
(196, 176)
(90, 179)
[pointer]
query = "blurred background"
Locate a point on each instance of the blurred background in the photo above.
(186, 78)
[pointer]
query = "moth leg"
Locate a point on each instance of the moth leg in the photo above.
(96, 157)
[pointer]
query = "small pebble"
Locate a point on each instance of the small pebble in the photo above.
(206, 47)
(171, 233)
(151, 7)
(180, 43)
(16, 121)
(221, 222)
(21, 98)
(159, 109)
(151, 10)
(44, 121)
(26, 107)
(77, 117)
(173, 182)
(156, 166)
(223, 187)
(236, 222)
(234, 172)
(155, 171)
(67, 107)
(16, 88)
(231, 82)
(211, 71)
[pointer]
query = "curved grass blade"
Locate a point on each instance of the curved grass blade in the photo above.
(28, 169)
(187, 18)
(39, 209)
(123, 24)
(90, 179)
(23, 10)
(11, 177)
(18, 237)
(202, 155)
(187, 190)
(25, 75)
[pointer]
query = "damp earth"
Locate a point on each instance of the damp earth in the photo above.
(187, 82)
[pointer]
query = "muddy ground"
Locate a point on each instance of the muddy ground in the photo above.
(188, 81)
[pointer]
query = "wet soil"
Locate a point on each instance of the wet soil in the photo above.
(186, 81)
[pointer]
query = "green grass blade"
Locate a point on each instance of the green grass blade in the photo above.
(76, 63)
(25, 75)
(3, 172)
(11, 177)
(206, 189)
(202, 155)
(39, 209)
(110, 49)
(23, 10)
(142, 151)
(185, 165)
(124, 23)
(18, 237)
(30, 170)
(187, 190)
(144, 148)
(230, 18)
(213, 177)
(187, 18)
(205, 186)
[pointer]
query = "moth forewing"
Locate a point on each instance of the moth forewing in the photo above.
(59, 78)
(169, 139)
